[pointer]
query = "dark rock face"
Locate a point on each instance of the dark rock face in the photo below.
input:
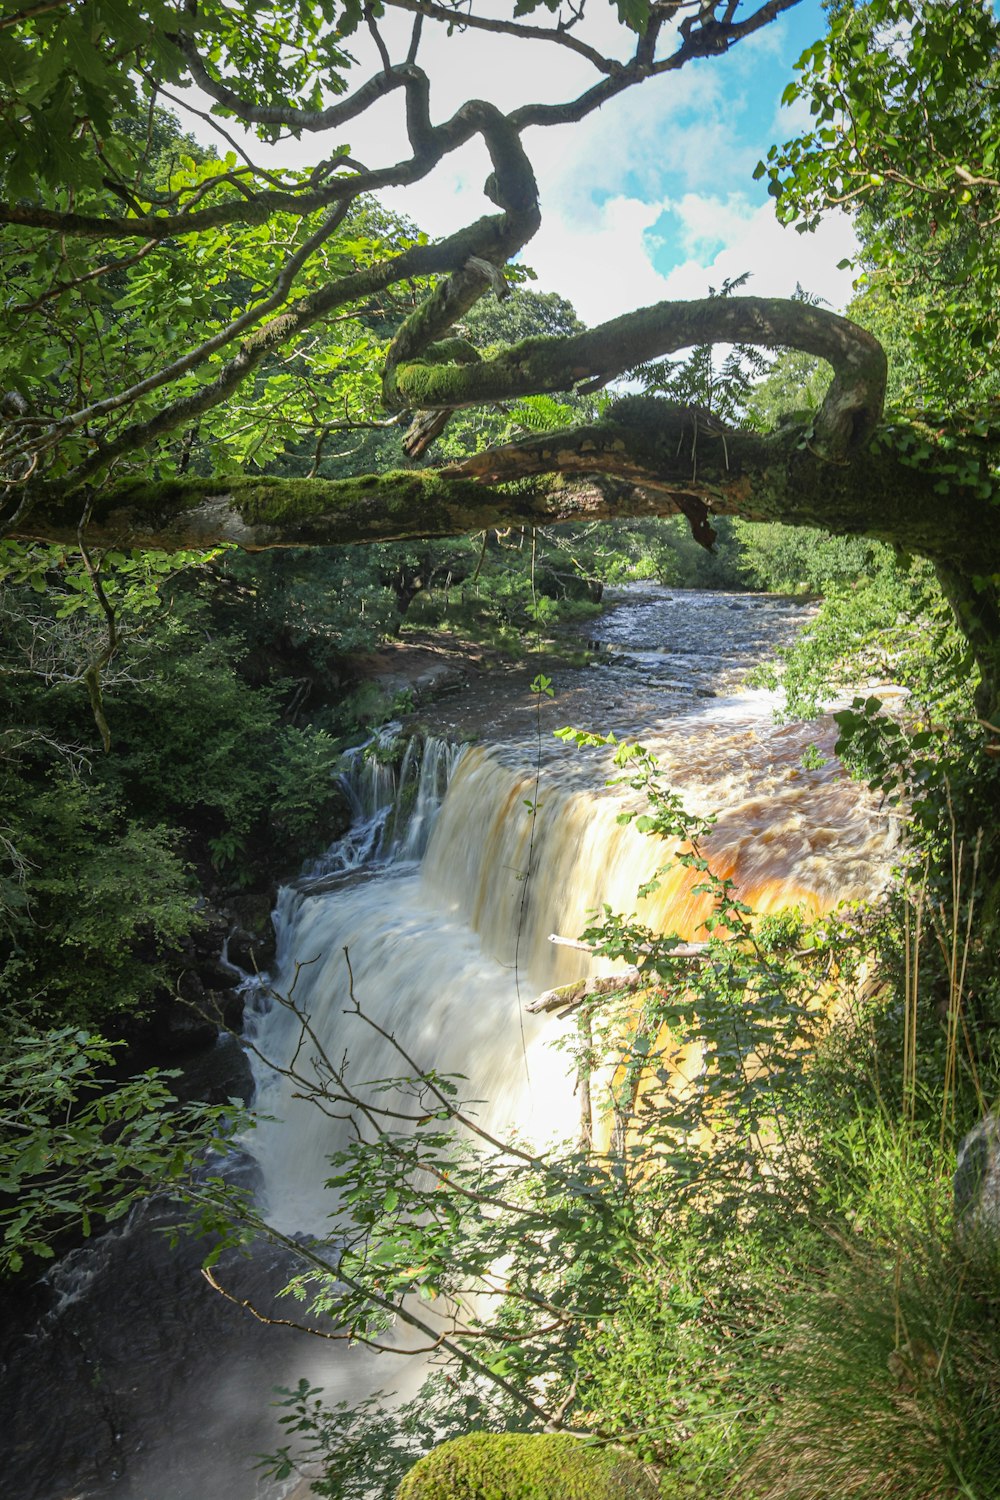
(124, 1373)
(217, 1073)
(251, 939)
(977, 1177)
(252, 952)
(189, 1019)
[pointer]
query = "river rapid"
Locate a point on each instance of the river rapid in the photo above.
(124, 1376)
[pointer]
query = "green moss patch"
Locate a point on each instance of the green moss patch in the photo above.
(524, 1466)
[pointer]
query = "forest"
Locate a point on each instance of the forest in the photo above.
(259, 432)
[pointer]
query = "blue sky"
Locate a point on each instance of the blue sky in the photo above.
(650, 197)
(740, 94)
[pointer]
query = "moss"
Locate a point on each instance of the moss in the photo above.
(379, 499)
(429, 385)
(283, 502)
(521, 1466)
(450, 351)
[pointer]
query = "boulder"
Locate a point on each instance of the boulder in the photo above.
(976, 1182)
(217, 1073)
(251, 938)
(186, 1021)
(525, 1466)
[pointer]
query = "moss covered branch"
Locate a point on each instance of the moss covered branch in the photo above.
(648, 458)
(845, 422)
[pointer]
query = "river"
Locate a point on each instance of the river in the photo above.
(130, 1379)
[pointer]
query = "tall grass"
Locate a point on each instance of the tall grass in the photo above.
(882, 1376)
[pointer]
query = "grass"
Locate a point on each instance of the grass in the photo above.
(881, 1378)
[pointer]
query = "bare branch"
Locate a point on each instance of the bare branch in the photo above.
(30, 13)
(168, 374)
(467, 20)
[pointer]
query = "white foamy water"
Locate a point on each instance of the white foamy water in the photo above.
(443, 896)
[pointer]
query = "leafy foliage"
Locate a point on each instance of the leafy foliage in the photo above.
(795, 559)
(68, 63)
(370, 1442)
(95, 893)
(665, 1291)
(725, 388)
(94, 902)
(887, 627)
(78, 1149)
(903, 99)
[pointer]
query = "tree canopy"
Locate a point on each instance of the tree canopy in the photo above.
(176, 315)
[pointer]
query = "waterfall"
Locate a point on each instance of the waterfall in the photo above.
(459, 864)
(446, 954)
(422, 972)
(393, 787)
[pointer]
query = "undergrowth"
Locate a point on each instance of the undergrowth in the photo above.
(755, 1282)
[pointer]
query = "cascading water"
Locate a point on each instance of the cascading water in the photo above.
(418, 971)
(457, 868)
(394, 787)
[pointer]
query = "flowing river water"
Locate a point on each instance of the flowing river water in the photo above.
(137, 1382)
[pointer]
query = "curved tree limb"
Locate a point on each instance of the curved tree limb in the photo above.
(332, 187)
(471, 254)
(708, 38)
(429, 147)
(847, 418)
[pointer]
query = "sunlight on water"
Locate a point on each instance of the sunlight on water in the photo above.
(446, 956)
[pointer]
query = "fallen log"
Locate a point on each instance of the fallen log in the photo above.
(566, 997)
(681, 950)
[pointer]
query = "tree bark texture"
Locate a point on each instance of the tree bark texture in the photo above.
(842, 468)
(648, 458)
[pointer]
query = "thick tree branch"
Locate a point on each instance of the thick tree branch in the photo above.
(637, 463)
(495, 239)
(707, 38)
(429, 145)
(852, 407)
(290, 116)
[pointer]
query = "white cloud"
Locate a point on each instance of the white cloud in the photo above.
(652, 179)
(751, 239)
(601, 262)
(605, 261)
(706, 224)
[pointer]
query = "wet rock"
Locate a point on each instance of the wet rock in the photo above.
(252, 952)
(251, 940)
(227, 1007)
(186, 1021)
(252, 910)
(121, 1382)
(217, 1073)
